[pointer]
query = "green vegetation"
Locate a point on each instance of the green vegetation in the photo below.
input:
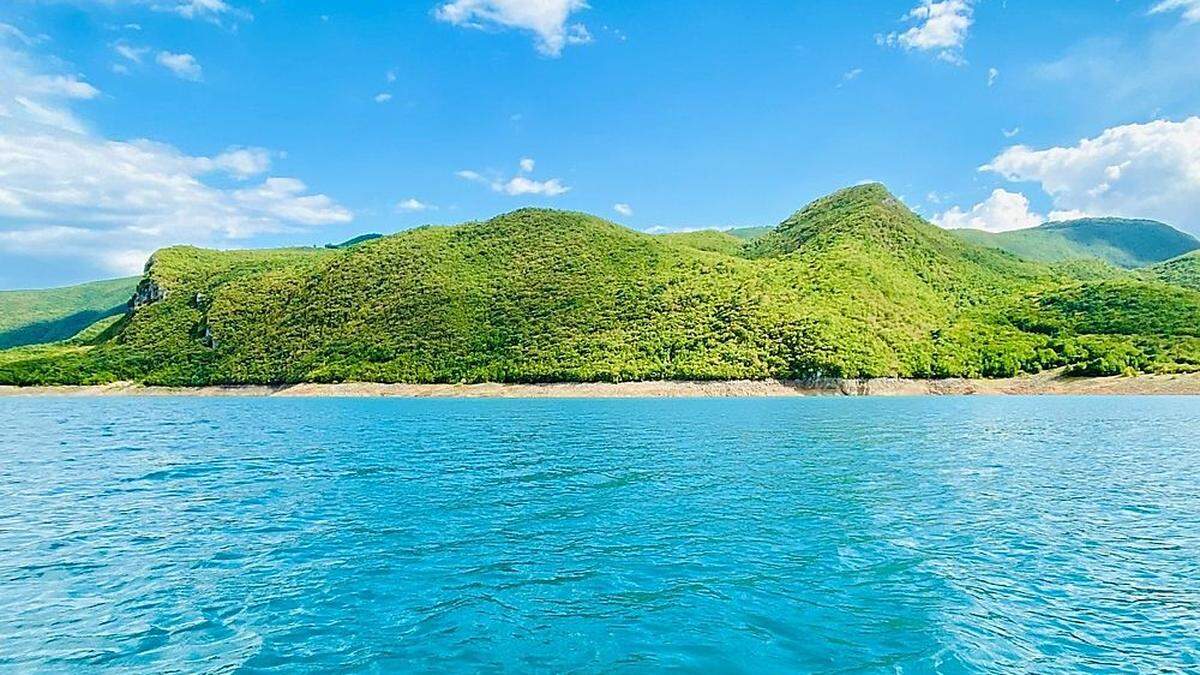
(355, 241)
(748, 233)
(1121, 242)
(31, 317)
(854, 285)
(1182, 271)
(707, 240)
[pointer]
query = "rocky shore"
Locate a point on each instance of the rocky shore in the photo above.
(1051, 383)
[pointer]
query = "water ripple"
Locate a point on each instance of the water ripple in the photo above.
(908, 535)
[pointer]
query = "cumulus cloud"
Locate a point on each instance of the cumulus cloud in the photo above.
(548, 20)
(520, 184)
(67, 193)
(1190, 9)
(1149, 170)
(184, 66)
(623, 209)
(941, 27)
(383, 97)
(993, 75)
(1000, 212)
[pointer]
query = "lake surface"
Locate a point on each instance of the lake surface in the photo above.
(911, 535)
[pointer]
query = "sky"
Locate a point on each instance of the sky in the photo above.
(129, 125)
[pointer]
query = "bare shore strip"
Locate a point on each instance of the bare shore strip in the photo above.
(1051, 383)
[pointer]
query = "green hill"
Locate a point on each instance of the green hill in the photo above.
(30, 317)
(1182, 271)
(714, 241)
(854, 285)
(748, 233)
(1124, 243)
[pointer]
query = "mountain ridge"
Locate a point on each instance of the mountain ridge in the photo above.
(1125, 242)
(853, 285)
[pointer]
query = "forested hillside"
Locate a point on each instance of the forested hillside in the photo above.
(854, 285)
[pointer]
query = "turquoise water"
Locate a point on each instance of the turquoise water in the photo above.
(910, 535)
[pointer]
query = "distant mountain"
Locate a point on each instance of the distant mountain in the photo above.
(355, 241)
(853, 285)
(31, 317)
(748, 233)
(1122, 242)
(716, 241)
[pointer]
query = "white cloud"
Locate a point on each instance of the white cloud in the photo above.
(129, 52)
(518, 185)
(243, 163)
(1011, 133)
(1000, 212)
(184, 66)
(213, 11)
(1190, 9)
(521, 185)
(11, 31)
(283, 200)
(414, 205)
(993, 75)
(548, 20)
(623, 209)
(30, 96)
(1149, 170)
(390, 76)
(941, 26)
(383, 98)
(850, 76)
(191, 9)
(68, 194)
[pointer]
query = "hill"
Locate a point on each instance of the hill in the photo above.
(854, 285)
(714, 241)
(30, 317)
(1122, 242)
(1182, 271)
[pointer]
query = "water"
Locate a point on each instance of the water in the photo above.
(909, 535)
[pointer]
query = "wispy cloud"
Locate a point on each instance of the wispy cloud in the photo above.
(1190, 9)
(184, 66)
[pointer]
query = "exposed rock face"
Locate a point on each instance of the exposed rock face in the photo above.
(148, 292)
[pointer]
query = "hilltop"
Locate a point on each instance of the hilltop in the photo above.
(53, 314)
(1122, 242)
(854, 285)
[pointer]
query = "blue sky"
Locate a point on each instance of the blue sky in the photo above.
(126, 125)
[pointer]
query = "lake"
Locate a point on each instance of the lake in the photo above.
(913, 535)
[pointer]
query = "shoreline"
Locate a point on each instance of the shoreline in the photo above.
(1044, 384)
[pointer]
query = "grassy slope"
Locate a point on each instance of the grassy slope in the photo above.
(853, 285)
(29, 317)
(1125, 243)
